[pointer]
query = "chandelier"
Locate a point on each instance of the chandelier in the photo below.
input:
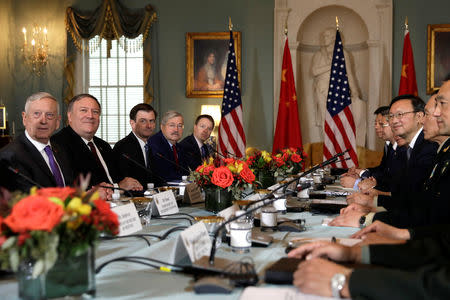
(35, 53)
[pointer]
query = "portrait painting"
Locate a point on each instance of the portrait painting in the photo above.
(2, 117)
(206, 62)
(438, 58)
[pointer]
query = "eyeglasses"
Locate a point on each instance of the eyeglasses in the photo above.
(205, 127)
(48, 115)
(175, 126)
(381, 124)
(399, 115)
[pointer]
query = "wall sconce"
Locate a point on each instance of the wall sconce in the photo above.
(215, 112)
(35, 53)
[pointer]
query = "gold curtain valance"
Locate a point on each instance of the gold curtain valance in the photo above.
(110, 21)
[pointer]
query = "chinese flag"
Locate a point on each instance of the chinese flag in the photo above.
(287, 132)
(408, 84)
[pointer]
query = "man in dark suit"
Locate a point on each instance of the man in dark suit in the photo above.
(88, 153)
(134, 145)
(194, 145)
(406, 119)
(168, 160)
(31, 153)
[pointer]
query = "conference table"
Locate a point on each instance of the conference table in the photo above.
(126, 280)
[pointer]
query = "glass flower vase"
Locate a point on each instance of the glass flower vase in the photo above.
(217, 199)
(30, 288)
(72, 276)
(266, 179)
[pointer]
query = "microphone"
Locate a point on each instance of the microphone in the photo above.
(27, 179)
(172, 162)
(217, 152)
(127, 192)
(232, 154)
(126, 156)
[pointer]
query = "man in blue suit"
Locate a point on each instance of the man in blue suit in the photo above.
(194, 145)
(168, 160)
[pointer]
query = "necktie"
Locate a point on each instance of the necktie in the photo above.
(408, 152)
(204, 150)
(147, 163)
(175, 154)
(54, 166)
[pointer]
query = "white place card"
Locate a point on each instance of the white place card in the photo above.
(129, 221)
(165, 203)
(228, 213)
(196, 240)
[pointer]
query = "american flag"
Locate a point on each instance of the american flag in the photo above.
(339, 123)
(231, 128)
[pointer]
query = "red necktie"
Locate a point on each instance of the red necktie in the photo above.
(175, 154)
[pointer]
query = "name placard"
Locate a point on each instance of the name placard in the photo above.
(165, 203)
(129, 221)
(196, 240)
(193, 194)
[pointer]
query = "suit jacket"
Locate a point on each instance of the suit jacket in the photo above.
(192, 152)
(428, 206)
(22, 155)
(130, 146)
(82, 159)
(165, 166)
(422, 271)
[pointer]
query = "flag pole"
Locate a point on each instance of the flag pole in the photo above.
(337, 23)
(406, 23)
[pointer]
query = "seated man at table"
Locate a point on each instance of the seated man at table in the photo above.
(168, 160)
(194, 145)
(88, 153)
(430, 205)
(31, 154)
(134, 145)
(418, 269)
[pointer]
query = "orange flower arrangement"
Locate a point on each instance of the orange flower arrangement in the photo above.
(234, 175)
(51, 222)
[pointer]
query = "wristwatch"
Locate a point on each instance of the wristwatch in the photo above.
(337, 284)
(362, 221)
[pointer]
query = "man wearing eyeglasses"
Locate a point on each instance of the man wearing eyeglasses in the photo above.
(168, 160)
(31, 154)
(194, 145)
(406, 119)
(134, 145)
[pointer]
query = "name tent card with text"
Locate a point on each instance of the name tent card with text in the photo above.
(196, 241)
(129, 221)
(166, 203)
(192, 194)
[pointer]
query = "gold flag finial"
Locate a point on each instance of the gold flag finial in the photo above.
(406, 23)
(337, 23)
(285, 28)
(230, 25)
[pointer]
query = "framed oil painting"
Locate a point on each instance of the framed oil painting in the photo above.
(438, 55)
(206, 62)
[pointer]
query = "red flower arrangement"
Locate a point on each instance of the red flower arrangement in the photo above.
(235, 175)
(51, 222)
(289, 161)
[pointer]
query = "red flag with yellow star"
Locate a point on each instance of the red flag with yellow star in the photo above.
(408, 84)
(287, 132)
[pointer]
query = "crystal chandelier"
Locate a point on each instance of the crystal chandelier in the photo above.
(35, 53)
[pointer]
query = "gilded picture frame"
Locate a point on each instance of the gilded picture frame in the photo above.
(206, 59)
(2, 117)
(438, 55)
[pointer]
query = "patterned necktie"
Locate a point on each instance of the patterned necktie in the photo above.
(147, 163)
(175, 154)
(54, 166)
(204, 151)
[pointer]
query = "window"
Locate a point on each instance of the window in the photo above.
(117, 82)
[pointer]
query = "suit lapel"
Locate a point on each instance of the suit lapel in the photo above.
(37, 158)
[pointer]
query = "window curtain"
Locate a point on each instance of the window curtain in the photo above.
(110, 21)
